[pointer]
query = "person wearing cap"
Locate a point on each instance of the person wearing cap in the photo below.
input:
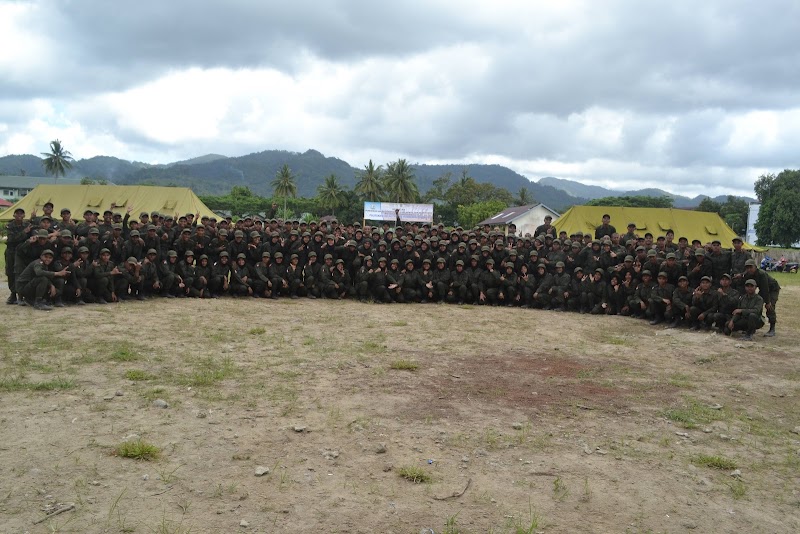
(183, 243)
(727, 300)
(362, 279)
(541, 296)
(594, 299)
(577, 286)
(218, 244)
(204, 272)
(459, 284)
(699, 268)
(278, 276)
(190, 284)
(605, 229)
(17, 232)
(241, 278)
(769, 289)
(748, 313)
(559, 291)
(294, 275)
(426, 281)
(67, 288)
(410, 283)
(546, 228)
(238, 246)
(489, 283)
(680, 311)
(739, 257)
(640, 300)
(220, 275)
(705, 302)
(660, 300)
(442, 280)
(130, 283)
(720, 260)
(260, 280)
(134, 246)
(31, 250)
(36, 281)
(104, 274)
(168, 273)
(151, 282)
(673, 269)
(342, 283)
(311, 275)
(653, 262)
(378, 282)
(47, 210)
(509, 285)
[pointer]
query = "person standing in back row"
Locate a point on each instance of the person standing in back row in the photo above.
(605, 229)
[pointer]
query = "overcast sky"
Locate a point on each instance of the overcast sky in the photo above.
(690, 96)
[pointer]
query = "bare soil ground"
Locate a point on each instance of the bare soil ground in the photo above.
(551, 422)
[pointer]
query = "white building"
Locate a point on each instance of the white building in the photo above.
(752, 217)
(526, 218)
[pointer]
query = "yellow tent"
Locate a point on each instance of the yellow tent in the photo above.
(117, 198)
(685, 223)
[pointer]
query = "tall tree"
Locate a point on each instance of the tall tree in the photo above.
(399, 182)
(636, 201)
(523, 197)
(283, 185)
(779, 216)
(331, 195)
(369, 186)
(58, 161)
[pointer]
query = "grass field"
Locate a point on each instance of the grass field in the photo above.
(322, 416)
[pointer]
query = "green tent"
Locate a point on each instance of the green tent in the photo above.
(117, 198)
(690, 224)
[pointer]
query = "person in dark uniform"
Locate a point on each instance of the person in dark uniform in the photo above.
(747, 315)
(17, 232)
(605, 229)
(769, 289)
(35, 282)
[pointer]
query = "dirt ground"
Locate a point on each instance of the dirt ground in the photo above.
(525, 421)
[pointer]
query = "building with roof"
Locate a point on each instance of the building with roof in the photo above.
(526, 218)
(13, 188)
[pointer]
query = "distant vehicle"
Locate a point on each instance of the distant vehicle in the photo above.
(780, 266)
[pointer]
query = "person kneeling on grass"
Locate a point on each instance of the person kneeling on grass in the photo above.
(747, 316)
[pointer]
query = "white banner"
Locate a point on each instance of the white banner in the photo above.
(384, 211)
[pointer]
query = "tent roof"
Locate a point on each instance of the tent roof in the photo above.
(509, 215)
(79, 198)
(690, 224)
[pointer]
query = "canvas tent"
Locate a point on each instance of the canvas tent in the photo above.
(117, 198)
(685, 223)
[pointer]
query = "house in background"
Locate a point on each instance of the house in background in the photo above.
(13, 188)
(526, 218)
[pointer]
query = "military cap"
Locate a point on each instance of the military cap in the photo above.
(65, 233)
(394, 261)
(631, 225)
(306, 234)
(474, 258)
(169, 218)
(186, 231)
(254, 234)
(327, 257)
(134, 233)
(533, 253)
(700, 252)
(489, 261)
(265, 254)
(172, 254)
(629, 242)
(440, 260)
(294, 232)
(575, 244)
(737, 238)
(151, 227)
(671, 256)
(508, 265)
(45, 218)
(312, 254)
(409, 261)
(116, 226)
(473, 241)
(295, 256)
(512, 252)
(41, 233)
(329, 236)
(725, 275)
(559, 264)
(144, 214)
(47, 252)
(132, 260)
(382, 243)
(647, 272)
(241, 256)
(238, 233)
(223, 254)
(716, 242)
(629, 258)
(652, 252)
(485, 249)
(579, 233)
(409, 242)
(567, 243)
(83, 249)
(66, 249)
(750, 263)
(460, 262)
(152, 251)
(541, 266)
(599, 270)
(318, 233)
(595, 241)
(94, 230)
(65, 210)
(223, 231)
(750, 282)
(105, 251)
(278, 255)
(188, 253)
(461, 244)
(696, 241)
(640, 247)
(662, 274)
(382, 259)
(85, 212)
(340, 260)
(684, 278)
(705, 278)
(548, 236)
(578, 270)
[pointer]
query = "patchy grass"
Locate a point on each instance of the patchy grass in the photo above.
(137, 375)
(124, 352)
(694, 413)
(257, 331)
(404, 365)
(208, 371)
(417, 475)
(138, 450)
(714, 462)
(20, 384)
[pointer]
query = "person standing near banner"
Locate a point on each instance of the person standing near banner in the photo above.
(397, 221)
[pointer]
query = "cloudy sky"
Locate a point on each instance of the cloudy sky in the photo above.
(693, 97)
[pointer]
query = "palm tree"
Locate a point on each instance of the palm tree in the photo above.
(58, 161)
(399, 182)
(369, 186)
(523, 197)
(283, 185)
(331, 194)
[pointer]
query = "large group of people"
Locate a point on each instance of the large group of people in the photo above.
(110, 257)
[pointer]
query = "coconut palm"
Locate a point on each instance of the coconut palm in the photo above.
(369, 185)
(283, 185)
(399, 183)
(331, 195)
(523, 197)
(58, 161)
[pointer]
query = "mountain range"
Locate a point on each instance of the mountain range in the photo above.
(214, 174)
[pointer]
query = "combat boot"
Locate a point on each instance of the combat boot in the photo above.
(40, 304)
(771, 332)
(58, 303)
(12, 299)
